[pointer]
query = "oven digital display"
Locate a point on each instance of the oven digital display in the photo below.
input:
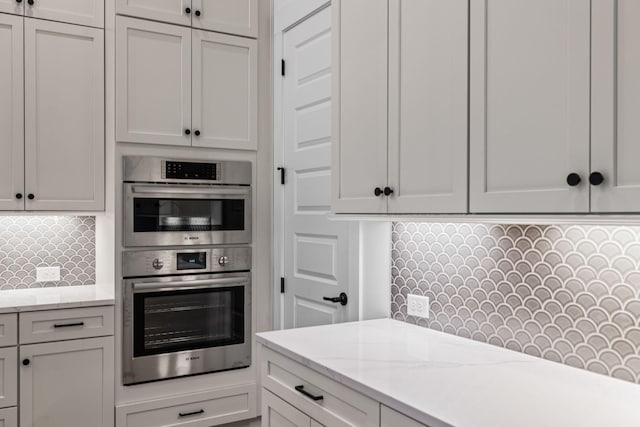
(188, 170)
(192, 261)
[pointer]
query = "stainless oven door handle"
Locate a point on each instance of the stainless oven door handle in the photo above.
(178, 190)
(188, 284)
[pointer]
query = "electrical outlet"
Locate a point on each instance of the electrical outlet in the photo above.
(418, 306)
(47, 274)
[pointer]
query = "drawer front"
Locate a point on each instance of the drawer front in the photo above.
(392, 418)
(9, 417)
(339, 405)
(58, 325)
(194, 410)
(8, 330)
(8, 377)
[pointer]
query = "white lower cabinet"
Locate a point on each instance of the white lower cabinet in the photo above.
(9, 417)
(8, 377)
(391, 418)
(278, 413)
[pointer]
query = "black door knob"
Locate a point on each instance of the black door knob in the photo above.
(596, 178)
(197, 133)
(187, 131)
(342, 299)
(378, 191)
(19, 196)
(198, 13)
(26, 362)
(187, 10)
(388, 191)
(31, 197)
(573, 179)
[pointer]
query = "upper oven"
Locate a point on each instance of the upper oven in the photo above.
(174, 203)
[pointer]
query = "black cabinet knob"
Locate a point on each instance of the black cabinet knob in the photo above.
(187, 131)
(197, 133)
(388, 191)
(187, 10)
(596, 178)
(18, 1)
(573, 179)
(378, 191)
(31, 197)
(198, 13)
(31, 2)
(19, 196)
(26, 362)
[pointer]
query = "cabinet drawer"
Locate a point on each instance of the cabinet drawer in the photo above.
(339, 405)
(8, 330)
(58, 325)
(9, 417)
(8, 377)
(193, 410)
(391, 418)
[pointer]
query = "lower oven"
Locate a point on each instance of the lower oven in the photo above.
(185, 324)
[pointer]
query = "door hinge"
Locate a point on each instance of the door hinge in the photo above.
(282, 67)
(282, 285)
(283, 174)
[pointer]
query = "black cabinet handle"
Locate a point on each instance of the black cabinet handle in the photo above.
(573, 179)
(190, 414)
(19, 196)
(596, 178)
(197, 133)
(26, 362)
(198, 13)
(187, 10)
(342, 299)
(388, 191)
(187, 131)
(68, 325)
(300, 389)
(377, 192)
(31, 197)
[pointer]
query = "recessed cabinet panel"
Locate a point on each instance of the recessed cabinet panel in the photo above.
(227, 16)
(428, 80)
(174, 11)
(64, 106)
(8, 377)
(529, 123)
(278, 413)
(615, 142)
(153, 82)
(225, 91)
(359, 105)
(11, 113)
(81, 12)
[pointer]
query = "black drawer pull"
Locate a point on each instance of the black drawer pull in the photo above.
(67, 325)
(189, 414)
(300, 389)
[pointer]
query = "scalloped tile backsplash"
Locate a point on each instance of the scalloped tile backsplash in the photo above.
(42, 241)
(569, 294)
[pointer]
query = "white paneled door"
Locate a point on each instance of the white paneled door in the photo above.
(11, 113)
(316, 250)
(227, 16)
(529, 111)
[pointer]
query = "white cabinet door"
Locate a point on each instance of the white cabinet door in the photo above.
(225, 91)
(81, 12)
(391, 418)
(8, 377)
(11, 113)
(9, 417)
(227, 16)
(64, 107)
(278, 413)
(615, 138)
(173, 11)
(12, 6)
(529, 112)
(359, 105)
(153, 82)
(67, 383)
(428, 50)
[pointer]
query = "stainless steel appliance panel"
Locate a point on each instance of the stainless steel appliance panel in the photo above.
(153, 169)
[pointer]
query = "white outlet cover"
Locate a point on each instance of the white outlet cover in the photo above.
(418, 306)
(47, 274)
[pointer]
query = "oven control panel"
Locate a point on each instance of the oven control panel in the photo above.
(165, 262)
(190, 170)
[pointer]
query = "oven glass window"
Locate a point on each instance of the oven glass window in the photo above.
(153, 215)
(170, 321)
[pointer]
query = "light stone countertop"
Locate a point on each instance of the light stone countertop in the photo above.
(444, 380)
(54, 298)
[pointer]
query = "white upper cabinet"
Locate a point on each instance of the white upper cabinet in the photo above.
(81, 12)
(428, 80)
(12, 6)
(529, 112)
(615, 138)
(153, 82)
(11, 113)
(225, 91)
(173, 11)
(359, 105)
(64, 116)
(227, 16)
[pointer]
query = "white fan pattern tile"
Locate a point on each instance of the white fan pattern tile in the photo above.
(569, 294)
(30, 242)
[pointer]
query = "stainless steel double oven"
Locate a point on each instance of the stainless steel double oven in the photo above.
(186, 267)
